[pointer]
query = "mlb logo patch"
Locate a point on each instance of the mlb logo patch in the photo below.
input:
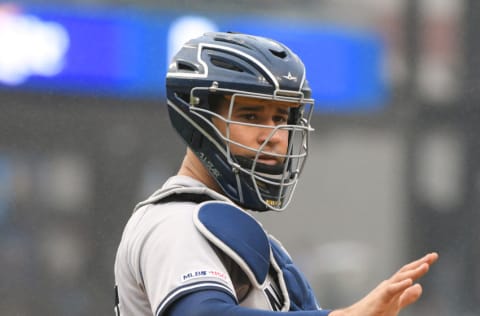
(203, 274)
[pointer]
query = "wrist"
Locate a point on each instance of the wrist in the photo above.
(339, 312)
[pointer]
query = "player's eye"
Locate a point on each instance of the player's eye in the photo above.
(280, 119)
(249, 117)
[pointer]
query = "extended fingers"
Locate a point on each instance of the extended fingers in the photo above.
(396, 288)
(408, 274)
(413, 274)
(403, 292)
(428, 258)
(397, 292)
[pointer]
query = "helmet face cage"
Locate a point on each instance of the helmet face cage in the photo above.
(241, 66)
(273, 186)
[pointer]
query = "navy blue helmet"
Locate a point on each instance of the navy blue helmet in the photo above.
(240, 66)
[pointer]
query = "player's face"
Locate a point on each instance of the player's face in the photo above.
(266, 115)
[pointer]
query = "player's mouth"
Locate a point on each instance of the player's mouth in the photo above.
(263, 163)
(269, 160)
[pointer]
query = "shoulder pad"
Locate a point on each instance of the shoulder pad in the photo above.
(237, 234)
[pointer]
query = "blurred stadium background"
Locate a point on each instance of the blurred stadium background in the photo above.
(393, 172)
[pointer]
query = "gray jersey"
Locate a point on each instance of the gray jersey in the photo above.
(163, 255)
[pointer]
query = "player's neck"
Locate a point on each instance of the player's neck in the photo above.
(193, 167)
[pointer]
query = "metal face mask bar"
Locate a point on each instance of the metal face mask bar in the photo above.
(274, 185)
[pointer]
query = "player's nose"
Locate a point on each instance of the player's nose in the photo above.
(271, 136)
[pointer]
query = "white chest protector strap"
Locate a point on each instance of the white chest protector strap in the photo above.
(182, 193)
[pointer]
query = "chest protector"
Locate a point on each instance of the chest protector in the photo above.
(242, 238)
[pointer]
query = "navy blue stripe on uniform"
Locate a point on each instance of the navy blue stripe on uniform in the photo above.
(189, 288)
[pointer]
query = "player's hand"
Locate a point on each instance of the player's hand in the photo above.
(394, 294)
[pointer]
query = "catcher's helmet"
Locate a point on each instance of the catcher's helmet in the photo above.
(239, 66)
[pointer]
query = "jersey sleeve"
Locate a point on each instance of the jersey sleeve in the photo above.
(174, 258)
(207, 303)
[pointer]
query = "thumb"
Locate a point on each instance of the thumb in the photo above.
(410, 295)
